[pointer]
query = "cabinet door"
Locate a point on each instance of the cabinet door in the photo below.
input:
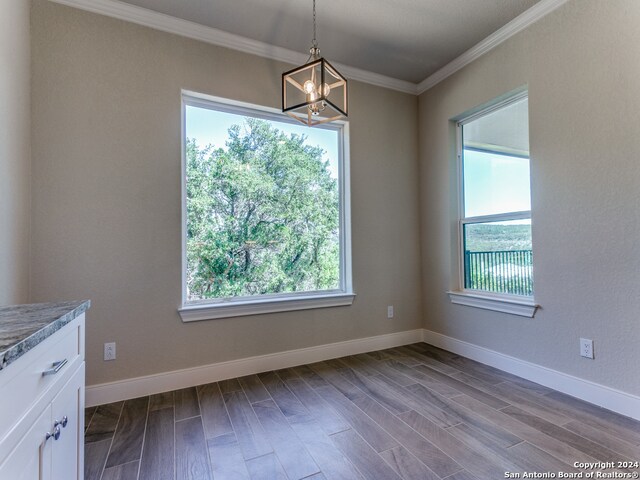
(31, 458)
(67, 410)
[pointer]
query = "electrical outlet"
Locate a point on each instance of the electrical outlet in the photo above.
(110, 351)
(586, 348)
(390, 311)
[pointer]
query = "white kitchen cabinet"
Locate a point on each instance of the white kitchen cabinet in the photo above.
(31, 458)
(42, 409)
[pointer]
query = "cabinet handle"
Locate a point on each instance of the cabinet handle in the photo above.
(62, 422)
(55, 368)
(55, 434)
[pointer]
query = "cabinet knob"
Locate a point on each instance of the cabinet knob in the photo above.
(55, 434)
(62, 422)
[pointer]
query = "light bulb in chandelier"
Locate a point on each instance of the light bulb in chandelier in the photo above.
(309, 87)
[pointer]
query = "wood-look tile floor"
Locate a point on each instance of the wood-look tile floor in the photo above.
(414, 412)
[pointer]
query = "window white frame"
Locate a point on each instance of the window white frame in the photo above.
(252, 305)
(506, 303)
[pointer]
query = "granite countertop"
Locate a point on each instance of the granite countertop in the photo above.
(22, 327)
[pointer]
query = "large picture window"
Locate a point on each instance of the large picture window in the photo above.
(265, 212)
(495, 224)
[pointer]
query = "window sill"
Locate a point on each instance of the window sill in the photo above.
(523, 308)
(212, 311)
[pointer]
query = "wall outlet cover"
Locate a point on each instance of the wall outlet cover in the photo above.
(586, 347)
(110, 351)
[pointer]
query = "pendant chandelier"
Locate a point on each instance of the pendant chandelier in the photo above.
(315, 92)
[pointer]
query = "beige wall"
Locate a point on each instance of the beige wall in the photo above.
(106, 202)
(15, 115)
(582, 67)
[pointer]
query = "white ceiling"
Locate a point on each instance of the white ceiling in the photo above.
(402, 39)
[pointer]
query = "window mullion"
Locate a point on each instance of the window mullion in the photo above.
(498, 217)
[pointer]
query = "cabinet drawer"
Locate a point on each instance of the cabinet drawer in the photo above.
(23, 383)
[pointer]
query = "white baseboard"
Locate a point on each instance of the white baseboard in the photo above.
(164, 382)
(609, 398)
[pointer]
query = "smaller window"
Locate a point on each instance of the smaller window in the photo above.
(495, 224)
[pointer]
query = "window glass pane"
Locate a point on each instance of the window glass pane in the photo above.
(498, 257)
(496, 162)
(263, 208)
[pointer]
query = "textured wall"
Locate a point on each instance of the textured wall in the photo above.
(15, 117)
(582, 66)
(106, 195)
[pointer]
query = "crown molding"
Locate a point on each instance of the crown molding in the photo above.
(522, 21)
(214, 36)
(185, 28)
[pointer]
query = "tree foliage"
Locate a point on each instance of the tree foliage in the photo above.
(262, 215)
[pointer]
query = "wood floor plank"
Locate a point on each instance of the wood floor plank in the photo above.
(319, 410)
(415, 400)
(266, 467)
(287, 374)
(88, 414)
(160, 401)
(317, 476)
(362, 423)
(558, 449)
(283, 397)
(363, 367)
(308, 375)
(128, 471)
(382, 368)
(603, 438)
(463, 475)
(95, 456)
(186, 403)
(496, 433)
(576, 441)
(295, 459)
(192, 460)
(104, 422)
(226, 458)
(425, 451)
(480, 395)
(432, 406)
(249, 432)
(230, 385)
(336, 380)
(378, 355)
(406, 465)
(470, 459)
(329, 459)
(367, 461)
(127, 440)
(335, 363)
(377, 390)
(398, 356)
(620, 426)
(253, 388)
(531, 403)
(159, 446)
(478, 370)
(431, 361)
(526, 386)
(422, 379)
(541, 460)
(214, 413)
(488, 448)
